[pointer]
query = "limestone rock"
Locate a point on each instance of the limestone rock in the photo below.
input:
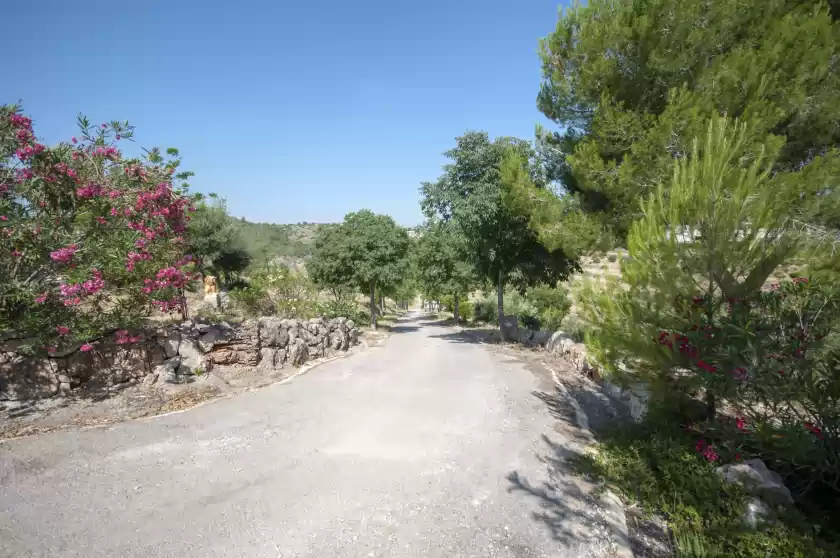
(170, 342)
(271, 358)
(298, 353)
(215, 336)
(754, 474)
(272, 333)
(191, 355)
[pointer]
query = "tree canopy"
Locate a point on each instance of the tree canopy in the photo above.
(367, 251)
(472, 195)
(631, 83)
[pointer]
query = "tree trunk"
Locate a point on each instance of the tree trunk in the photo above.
(373, 305)
(501, 297)
(455, 310)
(382, 303)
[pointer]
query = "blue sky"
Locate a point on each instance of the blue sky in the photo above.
(293, 111)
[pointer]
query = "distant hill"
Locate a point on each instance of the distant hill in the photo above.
(289, 244)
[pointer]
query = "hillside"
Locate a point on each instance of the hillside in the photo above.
(289, 243)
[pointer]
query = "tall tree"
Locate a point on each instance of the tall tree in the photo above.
(441, 263)
(632, 82)
(472, 195)
(367, 250)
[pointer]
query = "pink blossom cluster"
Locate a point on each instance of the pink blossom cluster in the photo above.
(135, 171)
(707, 450)
(29, 151)
(106, 151)
(64, 255)
(90, 191)
(134, 257)
(124, 337)
(168, 305)
(73, 293)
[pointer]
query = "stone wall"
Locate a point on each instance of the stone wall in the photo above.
(173, 354)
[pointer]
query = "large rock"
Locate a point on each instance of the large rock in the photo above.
(271, 358)
(192, 357)
(560, 342)
(298, 353)
(509, 328)
(337, 341)
(167, 373)
(541, 338)
(170, 342)
(214, 336)
(273, 333)
(754, 475)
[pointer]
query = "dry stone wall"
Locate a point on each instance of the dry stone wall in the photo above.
(174, 354)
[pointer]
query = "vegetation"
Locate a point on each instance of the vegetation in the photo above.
(441, 266)
(90, 241)
(633, 82)
(474, 196)
(366, 252)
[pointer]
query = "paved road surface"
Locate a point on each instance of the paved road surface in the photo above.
(403, 450)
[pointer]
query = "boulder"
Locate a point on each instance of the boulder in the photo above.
(337, 341)
(169, 341)
(350, 324)
(272, 333)
(191, 356)
(753, 474)
(241, 346)
(525, 336)
(271, 358)
(541, 338)
(298, 353)
(353, 335)
(215, 336)
(509, 328)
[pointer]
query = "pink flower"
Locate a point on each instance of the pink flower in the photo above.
(86, 347)
(737, 457)
(741, 423)
(101, 220)
(104, 126)
(701, 445)
(16, 253)
(74, 140)
(51, 349)
(118, 137)
(42, 298)
(815, 430)
(3, 218)
(64, 255)
(706, 366)
(62, 330)
(800, 280)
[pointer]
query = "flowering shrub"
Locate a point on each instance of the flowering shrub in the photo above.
(90, 240)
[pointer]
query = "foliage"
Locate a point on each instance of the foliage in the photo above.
(269, 243)
(90, 241)
(486, 310)
(465, 307)
(692, 318)
(441, 262)
(275, 290)
(210, 232)
(367, 251)
(476, 197)
(656, 464)
(552, 305)
(632, 82)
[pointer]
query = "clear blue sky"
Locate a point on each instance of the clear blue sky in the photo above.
(292, 110)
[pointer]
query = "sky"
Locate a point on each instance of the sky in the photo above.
(291, 111)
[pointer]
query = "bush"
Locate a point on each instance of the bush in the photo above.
(275, 290)
(659, 466)
(486, 310)
(552, 305)
(90, 241)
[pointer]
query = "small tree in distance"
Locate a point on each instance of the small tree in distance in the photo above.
(442, 268)
(367, 251)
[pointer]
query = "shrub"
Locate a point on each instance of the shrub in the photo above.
(275, 290)
(486, 310)
(657, 465)
(90, 241)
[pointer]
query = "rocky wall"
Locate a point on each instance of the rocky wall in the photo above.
(173, 354)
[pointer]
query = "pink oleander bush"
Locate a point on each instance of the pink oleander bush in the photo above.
(91, 240)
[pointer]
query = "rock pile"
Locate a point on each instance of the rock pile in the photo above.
(174, 354)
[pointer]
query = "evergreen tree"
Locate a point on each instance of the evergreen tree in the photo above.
(631, 82)
(441, 264)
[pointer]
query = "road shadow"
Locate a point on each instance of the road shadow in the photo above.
(474, 336)
(567, 504)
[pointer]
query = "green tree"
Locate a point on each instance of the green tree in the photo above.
(367, 250)
(693, 314)
(210, 232)
(472, 194)
(632, 82)
(441, 263)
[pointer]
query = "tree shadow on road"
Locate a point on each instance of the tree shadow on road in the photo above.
(473, 336)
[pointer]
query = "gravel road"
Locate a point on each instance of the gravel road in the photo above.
(427, 445)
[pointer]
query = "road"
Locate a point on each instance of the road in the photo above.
(418, 447)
